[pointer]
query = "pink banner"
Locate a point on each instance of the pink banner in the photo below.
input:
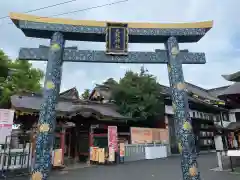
(112, 138)
(6, 122)
(6, 125)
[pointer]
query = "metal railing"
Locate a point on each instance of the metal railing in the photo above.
(15, 160)
(136, 152)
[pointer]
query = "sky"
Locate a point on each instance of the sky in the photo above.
(221, 44)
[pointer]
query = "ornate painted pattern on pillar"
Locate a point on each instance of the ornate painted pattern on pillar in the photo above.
(47, 117)
(181, 113)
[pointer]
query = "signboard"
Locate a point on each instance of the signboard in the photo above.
(141, 135)
(93, 154)
(57, 157)
(112, 138)
(164, 135)
(148, 135)
(6, 123)
(101, 155)
(122, 149)
(111, 155)
(117, 39)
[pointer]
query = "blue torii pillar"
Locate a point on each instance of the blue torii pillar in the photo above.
(186, 139)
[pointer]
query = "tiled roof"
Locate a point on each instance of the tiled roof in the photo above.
(200, 92)
(191, 99)
(166, 90)
(231, 90)
(67, 98)
(203, 93)
(217, 91)
(232, 77)
(98, 109)
(233, 126)
(70, 94)
(105, 92)
(192, 89)
(33, 102)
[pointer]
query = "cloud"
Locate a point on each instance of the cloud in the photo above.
(220, 44)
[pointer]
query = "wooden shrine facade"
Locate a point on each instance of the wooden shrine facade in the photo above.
(73, 122)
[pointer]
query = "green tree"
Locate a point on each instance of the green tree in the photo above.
(85, 95)
(20, 76)
(3, 66)
(138, 95)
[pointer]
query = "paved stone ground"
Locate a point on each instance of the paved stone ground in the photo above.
(148, 170)
(161, 169)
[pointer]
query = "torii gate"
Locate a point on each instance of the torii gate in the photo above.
(117, 36)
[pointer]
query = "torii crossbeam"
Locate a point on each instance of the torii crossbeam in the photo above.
(117, 36)
(74, 55)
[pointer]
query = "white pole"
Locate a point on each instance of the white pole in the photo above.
(219, 159)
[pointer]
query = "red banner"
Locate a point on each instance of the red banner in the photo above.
(112, 138)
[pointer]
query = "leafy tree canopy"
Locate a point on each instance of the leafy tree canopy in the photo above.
(85, 95)
(3, 66)
(138, 95)
(17, 76)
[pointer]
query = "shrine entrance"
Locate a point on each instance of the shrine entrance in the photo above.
(117, 36)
